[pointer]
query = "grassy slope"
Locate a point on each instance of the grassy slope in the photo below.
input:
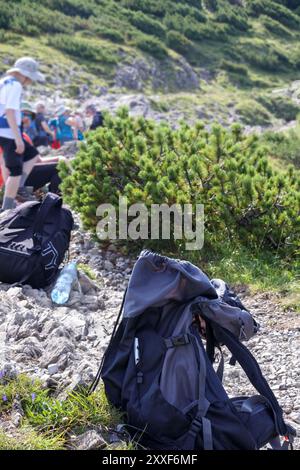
(227, 89)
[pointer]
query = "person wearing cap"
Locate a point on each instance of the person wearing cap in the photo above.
(19, 156)
(28, 120)
(65, 123)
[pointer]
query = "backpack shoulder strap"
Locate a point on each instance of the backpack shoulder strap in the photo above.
(50, 201)
(252, 370)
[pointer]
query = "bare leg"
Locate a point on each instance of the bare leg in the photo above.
(11, 188)
(27, 168)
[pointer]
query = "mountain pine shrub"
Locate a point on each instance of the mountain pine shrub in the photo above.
(246, 202)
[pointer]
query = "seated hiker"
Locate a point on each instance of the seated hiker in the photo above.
(44, 173)
(19, 156)
(53, 125)
(65, 125)
(91, 111)
(28, 120)
(44, 133)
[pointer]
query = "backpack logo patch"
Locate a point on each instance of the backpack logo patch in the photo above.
(50, 252)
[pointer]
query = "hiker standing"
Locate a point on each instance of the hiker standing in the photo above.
(91, 111)
(44, 133)
(19, 156)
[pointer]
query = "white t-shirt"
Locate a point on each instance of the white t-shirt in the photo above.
(10, 98)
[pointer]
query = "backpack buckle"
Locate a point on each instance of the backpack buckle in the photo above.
(176, 341)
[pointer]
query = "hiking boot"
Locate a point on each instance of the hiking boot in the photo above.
(25, 194)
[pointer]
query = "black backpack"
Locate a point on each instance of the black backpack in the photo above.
(158, 372)
(34, 238)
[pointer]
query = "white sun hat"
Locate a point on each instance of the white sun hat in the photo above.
(28, 67)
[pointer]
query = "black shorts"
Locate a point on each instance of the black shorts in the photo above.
(14, 161)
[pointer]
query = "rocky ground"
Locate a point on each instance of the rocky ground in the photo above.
(63, 345)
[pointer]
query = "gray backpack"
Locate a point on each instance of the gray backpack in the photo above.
(158, 372)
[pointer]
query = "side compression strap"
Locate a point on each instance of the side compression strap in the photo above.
(98, 375)
(252, 370)
(200, 422)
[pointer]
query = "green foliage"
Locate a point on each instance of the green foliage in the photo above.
(111, 34)
(28, 439)
(253, 113)
(49, 416)
(231, 67)
(246, 202)
(281, 107)
(274, 10)
(179, 43)
(275, 27)
(82, 8)
(211, 5)
(264, 55)
(154, 7)
(147, 24)
(151, 46)
(9, 38)
(234, 16)
(285, 146)
(82, 48)
(193, 28)
(210, 30)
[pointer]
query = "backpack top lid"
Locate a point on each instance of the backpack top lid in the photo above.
(156, 280)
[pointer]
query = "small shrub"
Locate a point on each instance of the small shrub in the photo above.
(81, 48)
(179, 43)
(111, 34)
(282, 107)
(231, 67)
(152, 46)
(247, 203)
(209, 30)
(264, 56)
(253, 113)
(82, 8)
(275, 11)
(152, 7)
(174, 22)
(275, 27)
(186, 10)
(210, 5)
(234, 17)
(147, 25)
(285, 146)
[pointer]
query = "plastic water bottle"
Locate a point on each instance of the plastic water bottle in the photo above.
(61, 292)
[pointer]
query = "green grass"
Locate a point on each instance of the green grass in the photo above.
(87, 270)
(28, 439)
(48, 421)
(259, 272)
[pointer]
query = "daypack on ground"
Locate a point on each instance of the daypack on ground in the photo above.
(158, 372)
(34, 238)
